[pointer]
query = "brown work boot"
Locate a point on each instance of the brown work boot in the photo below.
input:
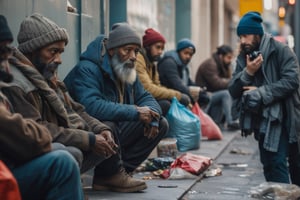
(120, 182)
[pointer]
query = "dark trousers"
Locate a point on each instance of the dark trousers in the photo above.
(134, 146)
(283, 165)
(164, 105)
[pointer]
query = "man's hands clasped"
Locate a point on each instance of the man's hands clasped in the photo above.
(105, 144)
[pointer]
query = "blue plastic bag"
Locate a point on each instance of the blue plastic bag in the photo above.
(184, 126)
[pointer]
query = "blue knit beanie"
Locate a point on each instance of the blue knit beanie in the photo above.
(185, 43)
(250, 24)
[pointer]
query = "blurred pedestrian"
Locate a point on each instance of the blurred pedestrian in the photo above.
(214, 73)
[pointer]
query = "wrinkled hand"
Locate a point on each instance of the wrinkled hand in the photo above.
(105, 145)
(254, 65)
(150, 131)
(109, 138)
(146, 115)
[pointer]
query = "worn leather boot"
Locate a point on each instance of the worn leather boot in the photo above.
(120, 182)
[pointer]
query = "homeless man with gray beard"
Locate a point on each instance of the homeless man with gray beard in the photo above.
(105, 82)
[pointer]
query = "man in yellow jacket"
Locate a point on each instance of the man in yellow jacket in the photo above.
(153, 47)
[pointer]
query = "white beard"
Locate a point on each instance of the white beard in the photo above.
(125, 74)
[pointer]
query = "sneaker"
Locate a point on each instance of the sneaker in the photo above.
(120, 182)
(233, 126)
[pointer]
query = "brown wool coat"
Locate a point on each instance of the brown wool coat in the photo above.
(28, 101)
(21, 139)
(213, 75)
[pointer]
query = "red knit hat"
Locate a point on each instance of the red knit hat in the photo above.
(151, 36)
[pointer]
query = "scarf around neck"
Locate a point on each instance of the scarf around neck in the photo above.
(71, 118)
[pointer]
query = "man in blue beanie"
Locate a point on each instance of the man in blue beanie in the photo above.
(265, 88)
(174, 72)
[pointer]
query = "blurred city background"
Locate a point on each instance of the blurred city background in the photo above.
(208, 23)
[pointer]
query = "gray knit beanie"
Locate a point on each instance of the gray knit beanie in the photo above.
(37, 31)
(122, 34)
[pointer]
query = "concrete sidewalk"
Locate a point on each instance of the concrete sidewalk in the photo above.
(176, 188)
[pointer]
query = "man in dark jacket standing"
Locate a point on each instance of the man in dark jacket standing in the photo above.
(215, 73)
(25, 146)
(37, 93)
(105, 82)
(265, 87)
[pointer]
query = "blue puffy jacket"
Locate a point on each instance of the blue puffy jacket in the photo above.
(93, 83)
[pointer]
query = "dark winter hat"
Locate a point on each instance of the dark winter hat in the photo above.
(250, 24)
(151, 36)
(185, 43)
(122, 34)
(37, 31)
(5, 33)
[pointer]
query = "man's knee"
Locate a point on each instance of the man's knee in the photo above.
(75, 152)
(64, 162)
(163, 126)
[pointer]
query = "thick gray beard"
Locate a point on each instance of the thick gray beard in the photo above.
(125, 74)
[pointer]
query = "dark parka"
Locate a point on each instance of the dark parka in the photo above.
(170, 69)
(280, 87)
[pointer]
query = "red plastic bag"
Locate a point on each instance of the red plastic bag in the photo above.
(9, 189)
(192, 163)
(209, 128)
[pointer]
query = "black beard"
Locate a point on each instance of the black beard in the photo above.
(247, 49)
(186, 61)
(47, 70)
(226, 65)
(6, 77)
(152, 58)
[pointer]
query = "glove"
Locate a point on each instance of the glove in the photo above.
(185, 99)
(203, 99)
(252, 100)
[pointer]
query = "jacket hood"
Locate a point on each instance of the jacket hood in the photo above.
(92, 52)
(174, 55)
(96, 53)
(265, 44)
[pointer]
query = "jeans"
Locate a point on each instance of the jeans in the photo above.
(86, 160)
(220, 101)
(52, 176)
(283, 165)
(75, 152)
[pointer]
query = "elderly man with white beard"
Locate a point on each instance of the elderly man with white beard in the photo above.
(105, 82)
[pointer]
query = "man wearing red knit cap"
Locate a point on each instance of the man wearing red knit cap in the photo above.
(153, 47)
